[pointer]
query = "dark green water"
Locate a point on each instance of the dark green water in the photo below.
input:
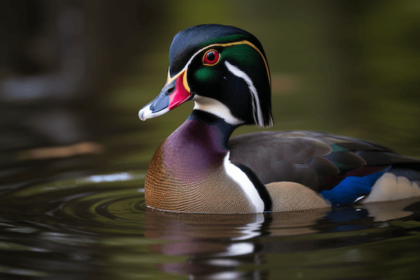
(98, 227)
(349, 68)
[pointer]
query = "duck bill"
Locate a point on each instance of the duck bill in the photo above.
(175, 92)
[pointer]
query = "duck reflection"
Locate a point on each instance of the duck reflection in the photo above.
(217, 245)
(385, 211)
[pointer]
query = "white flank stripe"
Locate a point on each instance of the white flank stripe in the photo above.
(215, 107)
(243, 181)
(258, 117)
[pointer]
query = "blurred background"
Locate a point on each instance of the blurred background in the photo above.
(74, 73)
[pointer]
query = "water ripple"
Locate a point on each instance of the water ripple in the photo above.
(102, 221)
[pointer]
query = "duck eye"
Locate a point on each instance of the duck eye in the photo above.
(211, 57)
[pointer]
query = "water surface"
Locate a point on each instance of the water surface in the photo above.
(98, 227)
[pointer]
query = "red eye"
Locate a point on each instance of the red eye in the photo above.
(211, 57)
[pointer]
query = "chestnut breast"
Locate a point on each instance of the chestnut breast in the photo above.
(187, 174)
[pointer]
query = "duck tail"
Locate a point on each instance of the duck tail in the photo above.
(409, 171)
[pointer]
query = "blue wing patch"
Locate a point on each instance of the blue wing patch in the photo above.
(351, 188)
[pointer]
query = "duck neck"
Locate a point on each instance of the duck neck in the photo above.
(198, 147)
(210, 123)
(189, 171)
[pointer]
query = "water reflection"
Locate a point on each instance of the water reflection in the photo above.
(217, 245)
(99, 224)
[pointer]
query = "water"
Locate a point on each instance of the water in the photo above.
(98, 227)
(72, 173)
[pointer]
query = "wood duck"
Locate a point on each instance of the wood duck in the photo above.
(197, 169)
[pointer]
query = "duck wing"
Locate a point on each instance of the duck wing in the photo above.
(317, 160)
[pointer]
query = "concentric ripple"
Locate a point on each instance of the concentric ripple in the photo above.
(110, 203)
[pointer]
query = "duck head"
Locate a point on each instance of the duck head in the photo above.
(223, 69)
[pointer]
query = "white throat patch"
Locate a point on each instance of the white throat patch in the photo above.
(215, 107)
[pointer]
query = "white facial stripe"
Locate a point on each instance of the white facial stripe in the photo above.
(256, 108)
(146, 113)
(258, 118)
(222, 45)
(215, 107)
(243, 181)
